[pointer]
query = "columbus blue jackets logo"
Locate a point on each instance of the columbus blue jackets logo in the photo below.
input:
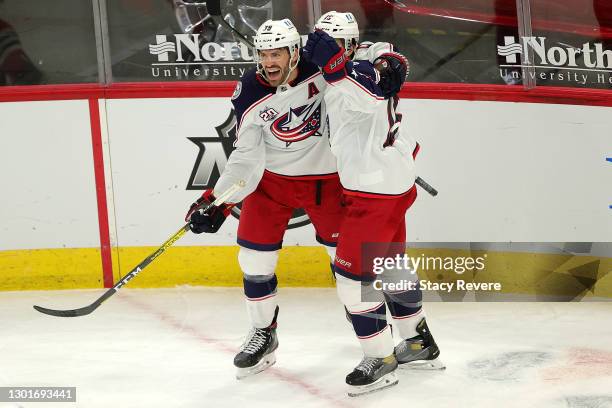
(298, 124)
(212, 157)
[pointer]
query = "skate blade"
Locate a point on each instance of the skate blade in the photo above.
(435, 364)
(266, 362)
(383, 382)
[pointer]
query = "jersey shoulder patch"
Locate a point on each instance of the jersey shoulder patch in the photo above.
(248, 92)
(237, 90)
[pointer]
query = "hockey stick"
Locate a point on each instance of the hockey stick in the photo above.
(214, 9)
(425, 186)
(123, 281)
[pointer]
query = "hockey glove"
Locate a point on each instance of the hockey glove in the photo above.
(209, 221)
(393, 68)
(322, 50)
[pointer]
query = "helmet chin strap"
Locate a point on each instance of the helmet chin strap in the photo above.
(291, 68)
(261, 71)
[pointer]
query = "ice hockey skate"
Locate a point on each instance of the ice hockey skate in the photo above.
(419, 352)
(372, 374)
(257, 352)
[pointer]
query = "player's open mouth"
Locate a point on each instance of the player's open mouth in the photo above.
(273, 73)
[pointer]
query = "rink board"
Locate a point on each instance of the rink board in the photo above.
(541, 276)
(506, 172)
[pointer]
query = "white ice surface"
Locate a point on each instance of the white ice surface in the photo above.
(174, 348)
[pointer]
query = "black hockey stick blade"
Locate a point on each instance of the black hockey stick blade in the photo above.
(122, 282)
(66, 313)
(77, 312)
(223, 197)
(425, 186)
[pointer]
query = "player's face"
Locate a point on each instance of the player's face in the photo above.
(276, 64)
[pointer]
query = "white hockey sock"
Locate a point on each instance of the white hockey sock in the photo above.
(379, 345)
(261, 312)
(259, 285)
(369, 319)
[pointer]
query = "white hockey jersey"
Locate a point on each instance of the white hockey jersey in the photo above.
(374, 151)
(282, 130)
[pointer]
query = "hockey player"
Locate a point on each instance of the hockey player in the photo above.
(282, 152)
(375, 160)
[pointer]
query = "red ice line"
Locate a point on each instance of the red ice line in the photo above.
(581, 363)
(276, 372)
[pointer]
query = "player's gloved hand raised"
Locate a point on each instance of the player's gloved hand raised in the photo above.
(207, 221)
(393, 68)
(322, 50)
